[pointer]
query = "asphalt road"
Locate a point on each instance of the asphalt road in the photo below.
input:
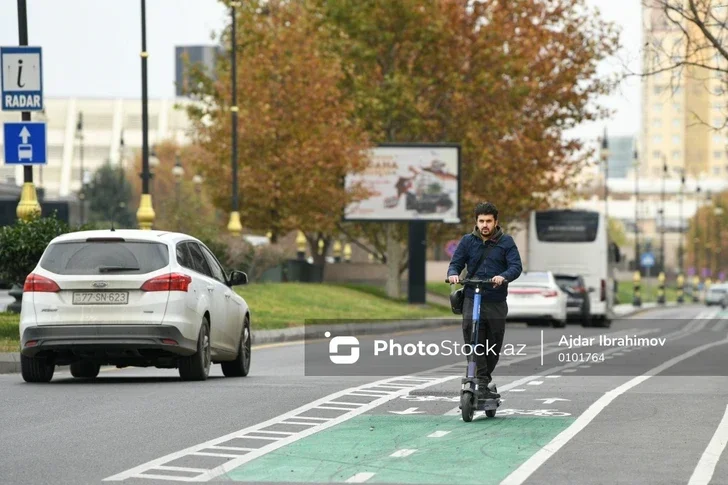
(654, 413)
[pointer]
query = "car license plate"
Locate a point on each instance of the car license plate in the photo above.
(100, 297)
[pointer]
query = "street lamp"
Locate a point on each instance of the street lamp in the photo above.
(636, 209)
(604, 153)
(28, 205)
(234, 226)
(145, 214)
(661, 211)
(680, 249)
(81, 191)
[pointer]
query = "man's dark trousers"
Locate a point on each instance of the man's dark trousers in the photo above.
(491, 331)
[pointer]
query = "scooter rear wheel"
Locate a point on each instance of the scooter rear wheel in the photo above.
(467, 408)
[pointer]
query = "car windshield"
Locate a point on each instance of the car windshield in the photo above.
(527, 279)
(105, 257)
(567, 281)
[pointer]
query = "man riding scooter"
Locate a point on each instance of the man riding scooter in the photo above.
(502, 263)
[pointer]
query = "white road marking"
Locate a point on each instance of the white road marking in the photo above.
(563, 368)
(515, 390)
(527, 468)
(553, 377)
(181, 469)
(360, 477)
(706, 466)
(437, 434)
(405, 452)
(535, 383)
(278, 442)
(720, 325)
(218, 455)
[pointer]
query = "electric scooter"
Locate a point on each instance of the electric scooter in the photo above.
(469, 400)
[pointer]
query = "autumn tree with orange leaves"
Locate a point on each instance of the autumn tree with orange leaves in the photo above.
(297, 136)
(502, 79)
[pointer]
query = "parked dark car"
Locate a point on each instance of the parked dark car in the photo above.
(577, 303)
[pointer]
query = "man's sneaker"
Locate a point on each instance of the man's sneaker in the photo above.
(484, 392)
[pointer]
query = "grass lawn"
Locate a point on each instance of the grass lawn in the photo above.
(279, 305)
(441, 288)
(625, 292)
(9, 339)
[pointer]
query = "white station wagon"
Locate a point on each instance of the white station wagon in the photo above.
(132, 298)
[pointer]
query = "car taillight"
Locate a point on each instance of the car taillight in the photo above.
(549, 293)
(168, 282)
(40, 284)
(603, 292)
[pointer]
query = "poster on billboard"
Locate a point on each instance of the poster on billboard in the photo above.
(408, 182)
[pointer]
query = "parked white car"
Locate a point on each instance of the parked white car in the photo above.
(132, 298)
(535, 296)
(716, 294)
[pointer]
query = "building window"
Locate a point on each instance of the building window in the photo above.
(676, 123)
(676, 107)
(656, 154)
(716, 170)
(676, 154)
(717, 139)
(657, 123)
(717, 154)
(675, 139)
(657, 139)
(657, 90)
(657, 107)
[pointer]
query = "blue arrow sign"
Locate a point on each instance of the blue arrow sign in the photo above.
(647, 260)
(22, 78)
(25, 143)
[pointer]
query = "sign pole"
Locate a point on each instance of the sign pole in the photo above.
(28, 205)
(417, 262)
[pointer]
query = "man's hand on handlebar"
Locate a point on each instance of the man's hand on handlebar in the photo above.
(497, 281)
(453, 279)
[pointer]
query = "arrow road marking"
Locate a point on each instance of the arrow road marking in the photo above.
(551, 400)
(24, 134)
(408, 411)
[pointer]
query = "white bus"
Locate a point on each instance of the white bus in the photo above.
(574, 241)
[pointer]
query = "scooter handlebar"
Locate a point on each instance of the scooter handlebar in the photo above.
(472, 281)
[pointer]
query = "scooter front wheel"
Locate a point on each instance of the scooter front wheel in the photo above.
(490, 413)
(467, 407)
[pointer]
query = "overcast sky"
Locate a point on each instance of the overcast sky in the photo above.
(91, 47)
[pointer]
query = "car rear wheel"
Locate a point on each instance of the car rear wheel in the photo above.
(196, 367)
(83, 369)
(36, 370)
(240, 367)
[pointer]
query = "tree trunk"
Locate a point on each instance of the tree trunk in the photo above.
(394, 258)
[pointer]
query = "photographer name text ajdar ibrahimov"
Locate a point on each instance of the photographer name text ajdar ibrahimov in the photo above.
(572, 341)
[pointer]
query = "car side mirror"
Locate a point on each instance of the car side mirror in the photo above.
(238, 278)
(592, 289)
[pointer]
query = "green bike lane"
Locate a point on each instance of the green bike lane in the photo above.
(420, 438)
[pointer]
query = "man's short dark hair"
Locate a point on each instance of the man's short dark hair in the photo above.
(486, 208)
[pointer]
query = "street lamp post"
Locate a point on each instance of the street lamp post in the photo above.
(82, 191)
(636, 296)
(145, 214)
(681, 248)
(662, 214)
(605, 158)
(28, 205)
(234, 226)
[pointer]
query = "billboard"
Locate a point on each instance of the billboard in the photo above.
(409, 182)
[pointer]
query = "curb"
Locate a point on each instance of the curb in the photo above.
(10, 361)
